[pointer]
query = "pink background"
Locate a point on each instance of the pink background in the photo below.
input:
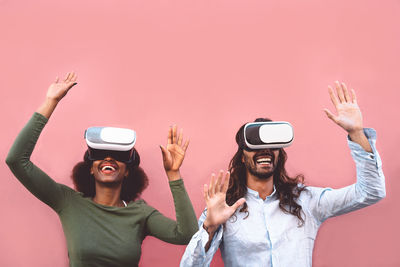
(208, 66)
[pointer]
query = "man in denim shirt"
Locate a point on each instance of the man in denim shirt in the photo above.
(267, 218)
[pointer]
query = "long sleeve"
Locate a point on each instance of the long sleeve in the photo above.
(195, 254)
(34, 179)
(181, 230)
(368, 189)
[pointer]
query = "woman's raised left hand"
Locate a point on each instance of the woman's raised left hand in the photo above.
(174, 153)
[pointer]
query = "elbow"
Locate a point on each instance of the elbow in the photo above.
(184, 238)
(371, 194)
(381, 195)
(11, 160)
(375, 197)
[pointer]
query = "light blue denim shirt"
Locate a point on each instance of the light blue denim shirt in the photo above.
(270, 237)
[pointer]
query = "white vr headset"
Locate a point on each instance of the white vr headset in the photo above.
(272, 134)
(112, 142)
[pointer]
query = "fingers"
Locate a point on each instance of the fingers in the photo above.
(212, 185)
(169, 136)
(57, 79)
(334, 98)
(217, 187)
(165, 154)
(185, 146)
(353, 94)
(226, 182)
(330, 115)
(180, 137)
(70, 79)
(205, 192)
(219, 184)
(238, 203)
(177, 138)
(339, 92)
(163, 151)
(174, 134)
(343, 95)
(346, 92)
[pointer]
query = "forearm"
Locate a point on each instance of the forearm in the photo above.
(368, 189)
(186, 221)
(370, 177)
(211, 230)
(202, 247)
(181, 230)
(47, 108)
(360, 138)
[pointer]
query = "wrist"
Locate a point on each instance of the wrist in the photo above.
(356, 134)
(47, 108)
(210, 228)
(173, 175)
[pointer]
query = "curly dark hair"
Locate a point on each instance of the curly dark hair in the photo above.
(132, 186)
(288, 189)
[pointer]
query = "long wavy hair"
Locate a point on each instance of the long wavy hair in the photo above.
(288, 189)
(132, 185)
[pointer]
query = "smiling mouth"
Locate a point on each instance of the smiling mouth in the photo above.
(108, 167)
(263, 159)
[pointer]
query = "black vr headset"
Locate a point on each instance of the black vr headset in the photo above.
(116, 143)
(271, 134)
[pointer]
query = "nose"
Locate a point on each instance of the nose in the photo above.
(108, 158)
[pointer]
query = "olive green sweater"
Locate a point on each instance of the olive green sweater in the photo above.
(99, 235)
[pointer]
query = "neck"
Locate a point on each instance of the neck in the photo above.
(108, 195)
(264, 187)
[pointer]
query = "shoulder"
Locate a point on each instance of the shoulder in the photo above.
(310, 191)
(142, 204)
(68, 191)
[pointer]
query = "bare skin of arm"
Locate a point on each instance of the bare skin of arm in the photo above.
(349, 115)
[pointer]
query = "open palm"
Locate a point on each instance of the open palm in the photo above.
(58, 89)
(218, 211)
(174, 153)
(348, 112)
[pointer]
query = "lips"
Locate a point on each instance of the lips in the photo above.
(108, 167)
(263, 158)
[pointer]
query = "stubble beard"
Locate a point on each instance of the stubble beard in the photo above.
(251, 166)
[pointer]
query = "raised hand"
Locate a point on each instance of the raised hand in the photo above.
(174, 153)
(348, 114)
(218, 211)
(58, 89)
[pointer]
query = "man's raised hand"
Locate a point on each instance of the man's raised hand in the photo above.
(348, 114)
(218, 211)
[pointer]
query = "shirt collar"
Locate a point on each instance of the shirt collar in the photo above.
(255, 193)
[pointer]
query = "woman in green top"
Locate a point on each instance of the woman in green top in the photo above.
(104, 224)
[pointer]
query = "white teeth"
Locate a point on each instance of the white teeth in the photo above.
(108, 168)
(264, 160)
